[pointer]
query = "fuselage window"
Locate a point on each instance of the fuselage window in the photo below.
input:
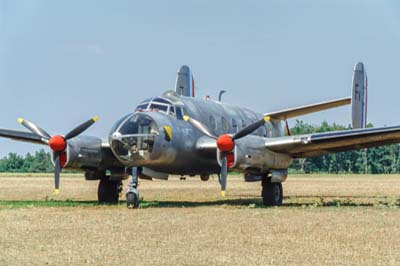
(213, 124)
(234, 126)
(243, 124)
(224, 124)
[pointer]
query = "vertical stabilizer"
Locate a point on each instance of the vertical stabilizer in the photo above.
(184, 82)
(359, 96)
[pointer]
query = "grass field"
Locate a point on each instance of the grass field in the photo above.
(325, 220)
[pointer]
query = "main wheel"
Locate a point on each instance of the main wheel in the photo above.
(108, 191)
(272, 194)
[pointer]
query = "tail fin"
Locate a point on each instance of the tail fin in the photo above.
(359, 96)
(184, 82)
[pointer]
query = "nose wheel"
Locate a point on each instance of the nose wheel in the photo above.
(132, 194)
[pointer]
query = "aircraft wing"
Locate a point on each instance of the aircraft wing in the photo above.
(21, 136)
(311, 145)
(307, 109)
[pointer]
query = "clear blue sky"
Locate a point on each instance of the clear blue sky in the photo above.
(61, 62)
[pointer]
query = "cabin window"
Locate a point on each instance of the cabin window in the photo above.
(224, 124)
(213, 124)
(243, 124)
(234, 126)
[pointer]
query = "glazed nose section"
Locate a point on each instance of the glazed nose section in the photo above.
(134, 139)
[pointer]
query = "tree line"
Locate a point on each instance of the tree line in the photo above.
(378, 160)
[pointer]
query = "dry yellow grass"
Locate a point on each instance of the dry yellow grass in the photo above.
(191, 226)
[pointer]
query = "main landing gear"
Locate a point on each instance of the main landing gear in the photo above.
(272, 193)
(132, 194)
(109, 190)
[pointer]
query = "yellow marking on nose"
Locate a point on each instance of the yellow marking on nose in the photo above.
(168, 132)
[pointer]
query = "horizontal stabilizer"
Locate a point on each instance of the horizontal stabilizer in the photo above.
(311, 145)
(307, 109)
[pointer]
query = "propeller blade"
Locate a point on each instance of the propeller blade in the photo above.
(200, 126)
(224, 174)
(82, 127)
(250, 128)
(34, 128)
(57, 170)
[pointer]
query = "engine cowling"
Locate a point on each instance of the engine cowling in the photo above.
(89, 153)
(250, 155)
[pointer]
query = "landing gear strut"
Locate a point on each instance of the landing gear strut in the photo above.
(132, 194)
(109, 190)
(272, 193)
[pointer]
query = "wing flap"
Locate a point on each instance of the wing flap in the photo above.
(20, 136)
(331, 142)
(307, 109)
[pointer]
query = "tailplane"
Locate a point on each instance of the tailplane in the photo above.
(359, 97)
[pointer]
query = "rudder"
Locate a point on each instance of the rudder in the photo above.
(184, 82)
(359, 97)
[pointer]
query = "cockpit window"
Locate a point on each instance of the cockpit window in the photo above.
(162, 105)
(142, 106)
(161, 100)
(179, 114)
(171, 110)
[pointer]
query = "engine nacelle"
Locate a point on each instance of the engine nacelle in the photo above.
(89, 154)
(251, 156)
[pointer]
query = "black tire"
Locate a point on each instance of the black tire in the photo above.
(272, 194)
(108, 191)
(132, 201)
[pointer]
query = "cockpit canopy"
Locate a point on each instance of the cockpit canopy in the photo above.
(161, 105)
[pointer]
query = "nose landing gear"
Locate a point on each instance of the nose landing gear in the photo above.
(132, 194)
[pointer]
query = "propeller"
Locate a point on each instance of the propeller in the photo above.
(226, 143)
(57, 143)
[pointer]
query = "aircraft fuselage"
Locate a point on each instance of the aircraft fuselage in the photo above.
(156, 136)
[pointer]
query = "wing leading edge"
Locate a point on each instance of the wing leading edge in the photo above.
(307, 109)
(311, 145)
(21, 136)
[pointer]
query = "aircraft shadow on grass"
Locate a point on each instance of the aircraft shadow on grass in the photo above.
(291, 201)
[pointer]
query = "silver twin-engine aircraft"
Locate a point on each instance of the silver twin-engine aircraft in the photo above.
(176, 133)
